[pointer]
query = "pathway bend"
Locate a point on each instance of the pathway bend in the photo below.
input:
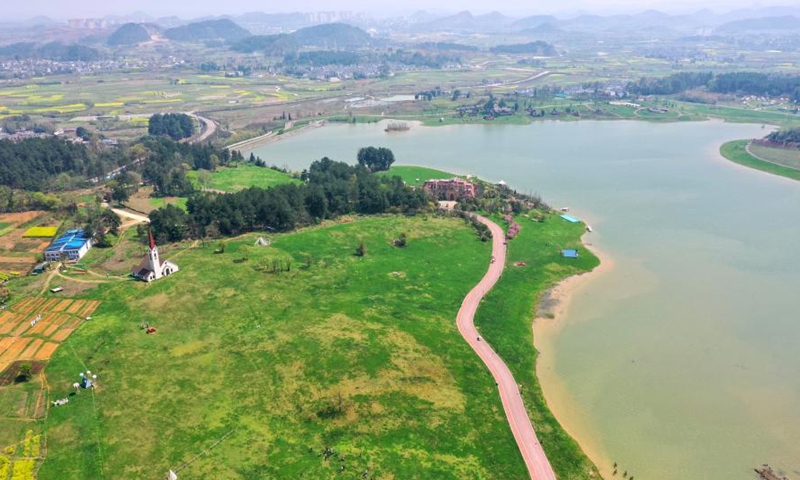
(535, 459)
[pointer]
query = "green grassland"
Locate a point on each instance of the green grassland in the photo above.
(233, 179)
(504, 320)
(736, 151)
(158, 202)
(414, 175)
(357, 354)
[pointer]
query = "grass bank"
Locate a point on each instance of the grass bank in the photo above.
(505, 318)
(233, 179)
(736, 151)
(415, 175)
(357, 354)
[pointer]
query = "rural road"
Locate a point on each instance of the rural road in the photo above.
(210, 128)
(535, 459)
(133, 218)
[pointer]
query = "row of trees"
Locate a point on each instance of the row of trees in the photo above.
(789, 137)
(376, 159)
(671, 84)
(330, 189)
(742, 83)
(176, 126)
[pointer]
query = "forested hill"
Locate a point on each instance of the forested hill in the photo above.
(36, 164)
(332, 35)
(129, 34)
(209, 30)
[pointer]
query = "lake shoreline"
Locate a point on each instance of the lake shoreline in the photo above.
(555, 302)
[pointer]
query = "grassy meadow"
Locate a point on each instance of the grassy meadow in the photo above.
(233, 179)
(505, 316)
(360, 355)
(736, 151)
(414, 175)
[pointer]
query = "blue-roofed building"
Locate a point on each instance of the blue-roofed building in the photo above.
(569, 253)
(570, 218)
(70, 247)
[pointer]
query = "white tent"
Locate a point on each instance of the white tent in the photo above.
(262, 242)
(172, 476)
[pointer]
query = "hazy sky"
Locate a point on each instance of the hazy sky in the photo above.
(60, 9)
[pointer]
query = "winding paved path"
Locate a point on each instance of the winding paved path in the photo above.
(535, 459)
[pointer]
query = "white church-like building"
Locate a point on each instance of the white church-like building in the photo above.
(151, 267)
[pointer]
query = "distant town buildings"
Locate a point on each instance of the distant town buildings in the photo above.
(451, 189)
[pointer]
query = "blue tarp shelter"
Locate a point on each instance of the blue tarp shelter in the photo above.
(569, 253)
(570, 218)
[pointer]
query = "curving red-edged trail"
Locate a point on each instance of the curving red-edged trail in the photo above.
(535, 459)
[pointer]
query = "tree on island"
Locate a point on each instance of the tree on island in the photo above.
(376, 159)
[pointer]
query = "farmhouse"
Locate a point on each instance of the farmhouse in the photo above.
(151, 267)
(452, 189)
(71, 246)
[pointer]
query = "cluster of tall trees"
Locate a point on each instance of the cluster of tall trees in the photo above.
(671, 84)
(376, 159)
(754, 83)
(176, 126)
(330, 189)
(99, 223)
(51, 164)
(789, 137)
(743, 83)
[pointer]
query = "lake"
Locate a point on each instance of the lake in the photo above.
(682, 360)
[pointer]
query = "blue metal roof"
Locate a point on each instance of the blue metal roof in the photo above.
(570, 218)
(569, 253)
(72, 240)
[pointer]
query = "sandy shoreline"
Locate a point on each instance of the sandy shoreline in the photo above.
(568, 413)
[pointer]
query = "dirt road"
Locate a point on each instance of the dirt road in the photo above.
(535, 459)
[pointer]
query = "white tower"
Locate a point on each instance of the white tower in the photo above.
(155, 262)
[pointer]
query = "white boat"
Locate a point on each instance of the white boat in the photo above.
(589, 228)
(565, 209)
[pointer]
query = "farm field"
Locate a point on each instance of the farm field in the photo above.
(22, 239)
(233, 179)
